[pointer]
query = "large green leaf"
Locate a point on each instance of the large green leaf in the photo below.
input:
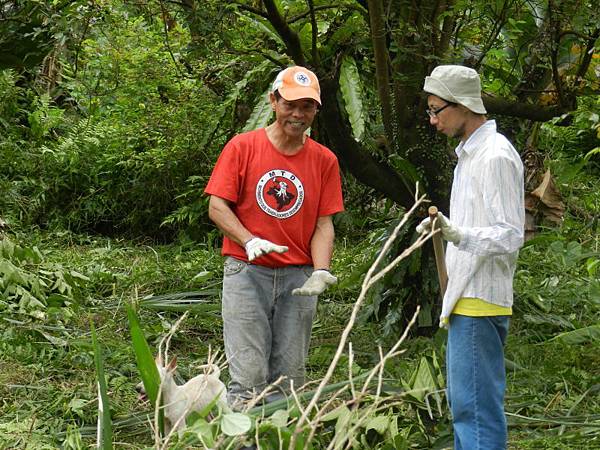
(579, 336)
(352, 94)
(204, 431)
(262, 25)
(145, 362)
(235, 424)
(378, 423)
(226, 108)
(422, 381)
(105, 432)
(261, 114)
(280, 418)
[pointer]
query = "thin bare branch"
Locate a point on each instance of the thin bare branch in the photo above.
(554, 47)
(322, 411)
(391, 352)
(266, 391)
(342, 344)
(350, 363)
(164, 15)
(295, 396)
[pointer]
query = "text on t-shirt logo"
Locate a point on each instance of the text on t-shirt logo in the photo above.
(280, 193)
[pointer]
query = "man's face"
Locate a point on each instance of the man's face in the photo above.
(294, 117)
(450, 120)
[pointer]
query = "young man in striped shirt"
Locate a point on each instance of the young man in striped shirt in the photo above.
(484, 231)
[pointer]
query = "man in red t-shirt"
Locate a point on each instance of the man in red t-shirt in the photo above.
(273, 193)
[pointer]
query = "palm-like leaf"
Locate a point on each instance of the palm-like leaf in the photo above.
(352, 94)
(201, 301)
(261, 114)
(145, 361)
(579, 336)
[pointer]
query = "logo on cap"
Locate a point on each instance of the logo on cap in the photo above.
(302, 78)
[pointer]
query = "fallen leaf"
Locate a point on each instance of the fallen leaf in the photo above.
(546, 199)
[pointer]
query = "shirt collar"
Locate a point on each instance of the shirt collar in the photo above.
(472, 144)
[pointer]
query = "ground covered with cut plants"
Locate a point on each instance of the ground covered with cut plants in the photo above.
(49, 381)
(112, 116)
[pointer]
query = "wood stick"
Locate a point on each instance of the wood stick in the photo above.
(438, 249)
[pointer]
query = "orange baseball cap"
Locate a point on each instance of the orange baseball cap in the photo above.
(297, 82)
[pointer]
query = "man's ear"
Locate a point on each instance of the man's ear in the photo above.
(272, 100)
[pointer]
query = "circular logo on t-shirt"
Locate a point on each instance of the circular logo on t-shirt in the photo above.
(280, 193)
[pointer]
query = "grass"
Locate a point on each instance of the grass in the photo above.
(48, 382)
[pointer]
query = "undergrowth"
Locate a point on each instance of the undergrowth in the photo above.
(49, 389)
(48, 384)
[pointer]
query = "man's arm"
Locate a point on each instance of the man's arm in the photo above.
(321, 248)
(220, 212)
(321, 244)
(503, 197)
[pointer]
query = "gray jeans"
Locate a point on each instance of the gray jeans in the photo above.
(266, 329)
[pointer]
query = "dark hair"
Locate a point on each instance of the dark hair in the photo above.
(425, 95)
(278, 97)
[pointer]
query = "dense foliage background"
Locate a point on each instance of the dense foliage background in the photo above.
(112, 115)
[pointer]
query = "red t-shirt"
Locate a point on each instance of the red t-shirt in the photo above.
(277, 197)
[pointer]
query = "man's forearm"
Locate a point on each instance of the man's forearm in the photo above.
(321, 244)
(224, 218)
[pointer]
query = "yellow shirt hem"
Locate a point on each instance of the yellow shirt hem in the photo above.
(476, 307)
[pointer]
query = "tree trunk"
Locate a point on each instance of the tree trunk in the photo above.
(382, 72)
(375, 174)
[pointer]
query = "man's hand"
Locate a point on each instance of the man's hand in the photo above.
(316, 283)
(256, 247)
(450, 232)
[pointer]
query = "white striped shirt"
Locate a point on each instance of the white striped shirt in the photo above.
(487, 204)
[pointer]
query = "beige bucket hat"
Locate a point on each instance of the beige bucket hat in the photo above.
(456, 84)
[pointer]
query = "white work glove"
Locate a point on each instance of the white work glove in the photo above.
(450, 232)
(256, 247)
(316, 283)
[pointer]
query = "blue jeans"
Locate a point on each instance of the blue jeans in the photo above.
(266, 329)
(476, 381)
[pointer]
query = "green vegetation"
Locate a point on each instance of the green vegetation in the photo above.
(49, 385)
(111, 117)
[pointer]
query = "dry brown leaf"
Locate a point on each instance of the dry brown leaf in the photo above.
(547, 200)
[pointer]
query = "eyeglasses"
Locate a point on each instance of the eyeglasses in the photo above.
(434, 112)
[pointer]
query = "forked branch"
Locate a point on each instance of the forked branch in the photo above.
(372, 276)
